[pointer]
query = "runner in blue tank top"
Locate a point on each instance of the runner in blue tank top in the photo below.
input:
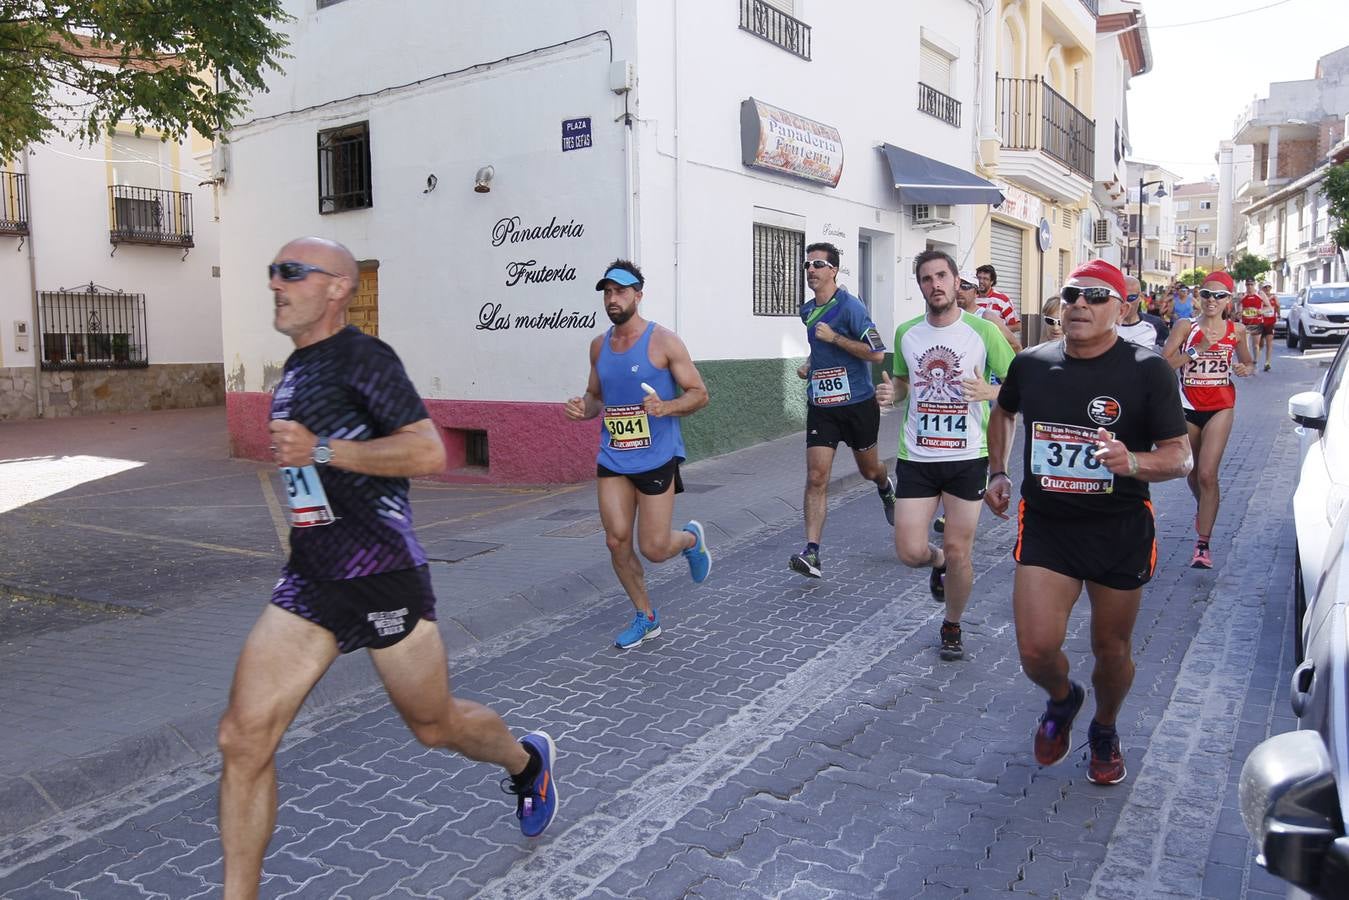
(635, 368)
(348, 430)
(840, 398)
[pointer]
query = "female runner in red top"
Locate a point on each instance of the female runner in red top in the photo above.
(1208, 350)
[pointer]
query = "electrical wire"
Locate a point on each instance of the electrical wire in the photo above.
(1244, 12)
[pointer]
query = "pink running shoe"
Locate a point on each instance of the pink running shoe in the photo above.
(1201, 559)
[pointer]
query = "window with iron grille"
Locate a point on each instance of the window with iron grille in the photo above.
(93, 329)
(779, 280)
(344, 168)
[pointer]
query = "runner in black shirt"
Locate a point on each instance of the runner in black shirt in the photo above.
(348, 429)
(1095, 408)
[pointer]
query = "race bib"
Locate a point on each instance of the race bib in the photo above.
(308, 502)
(1063, 460)
(829, 387)
(1208, 369)
(629, 428)
(941, 426)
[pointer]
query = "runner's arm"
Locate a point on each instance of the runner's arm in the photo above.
(998, 494)
(410, 451)
(1245, 361)
(1170, 459)
(591, 403)
(860, 349)
(892, 390)
(1172, 353)
(685, 375)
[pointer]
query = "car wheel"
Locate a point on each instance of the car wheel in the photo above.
(1289, 339)
(1303, 342)
(1299, 609)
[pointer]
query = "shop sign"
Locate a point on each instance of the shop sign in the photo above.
(1326, 250)
(1019, 204)
(783, 142)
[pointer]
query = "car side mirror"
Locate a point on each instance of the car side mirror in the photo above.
(1308, 409)
(1290, 805)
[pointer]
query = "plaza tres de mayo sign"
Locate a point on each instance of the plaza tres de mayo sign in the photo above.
(783, 142)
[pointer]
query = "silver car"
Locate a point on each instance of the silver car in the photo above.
(1320, 315)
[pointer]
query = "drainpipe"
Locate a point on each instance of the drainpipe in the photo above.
(678, 172)
(35, 330)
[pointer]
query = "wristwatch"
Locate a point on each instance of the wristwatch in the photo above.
(323, 454)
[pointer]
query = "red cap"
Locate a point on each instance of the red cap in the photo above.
(1103, 271)
(1222, 278)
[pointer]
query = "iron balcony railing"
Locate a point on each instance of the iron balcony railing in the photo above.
(1033, 116)
(93, 329)
(13, 203)
(939, 105)
(150, 216)
(775, 26)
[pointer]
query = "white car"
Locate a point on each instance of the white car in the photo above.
(1320, 315)
(1323, 479)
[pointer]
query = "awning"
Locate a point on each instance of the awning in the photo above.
(921, 179)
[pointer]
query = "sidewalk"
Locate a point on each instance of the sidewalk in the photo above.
(138, 556)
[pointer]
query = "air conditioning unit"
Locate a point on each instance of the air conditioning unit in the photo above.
(1100, 232)
(932, 215)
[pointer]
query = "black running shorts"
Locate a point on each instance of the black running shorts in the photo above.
(965, 478)
(374, 611)
(857, 425)
(652, 482)
(1118, 550)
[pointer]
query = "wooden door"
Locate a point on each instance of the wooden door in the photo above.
(363, 311)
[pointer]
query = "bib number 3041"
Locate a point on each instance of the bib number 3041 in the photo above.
(308, 502)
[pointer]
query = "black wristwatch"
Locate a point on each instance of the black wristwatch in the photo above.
(323, 454)
(996, 474)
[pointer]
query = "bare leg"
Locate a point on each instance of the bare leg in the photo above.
(1113, 613)
(655, 536)
(870, 466)
(417, 677)
(1042, 601)
(283, 658)
(819, 463)
(962, 517)
(912, 517)
(1196, 443)
(618, 511)
(1208, 457)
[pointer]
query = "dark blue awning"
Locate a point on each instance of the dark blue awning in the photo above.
(921, 179)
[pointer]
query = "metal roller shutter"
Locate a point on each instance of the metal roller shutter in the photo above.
(1005, 253)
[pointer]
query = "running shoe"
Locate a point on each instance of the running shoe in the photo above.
(936, 583)
(641, 629)
(1056, 725)
(939, 524)
(888, 499)
(1266, 367)
(1201, 559)
(807, 562)
(1106, 765)
(536, 799)
(951, 647)
(700, 561)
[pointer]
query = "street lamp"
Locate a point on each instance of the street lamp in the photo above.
(1194, 247)
(1161, 192)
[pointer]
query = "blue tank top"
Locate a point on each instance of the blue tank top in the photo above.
(630, 440)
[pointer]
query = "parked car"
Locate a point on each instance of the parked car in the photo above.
(1322, 480)
(1294, 789)
(1286, 302)
(1320, 314)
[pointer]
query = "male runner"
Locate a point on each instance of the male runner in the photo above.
(1102, 420)
(840, 396)
(348, 429)
(990, 297)
(967, 297)
(941, 360)
(1183, 307)
(1139, 328)
(635, 367)
(1250, 308)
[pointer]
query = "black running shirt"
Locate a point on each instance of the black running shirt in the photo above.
(352, 387)
(1129, 391)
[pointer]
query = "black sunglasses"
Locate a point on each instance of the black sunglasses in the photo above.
(967, 286)
(295, 271)
(1206, 294)
(818, 264)
(1053, 322)
(1094, 295)
(1131, 298)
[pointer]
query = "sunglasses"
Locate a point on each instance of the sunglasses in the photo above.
(818, 264)
(1053, 322)
(1131, 298)
(968, 286)
(295, 271)
(1206, 294)
(1095, 296)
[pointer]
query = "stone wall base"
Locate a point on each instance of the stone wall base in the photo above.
(88, 391)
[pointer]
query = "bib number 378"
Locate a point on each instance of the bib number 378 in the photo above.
(308, 501)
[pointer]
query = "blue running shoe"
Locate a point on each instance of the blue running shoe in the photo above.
(536, 801)
(700, 561)
(640, 630)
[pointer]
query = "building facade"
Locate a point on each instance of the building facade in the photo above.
(1152, 224)
(112, 298)
(484, 178)
(1196, 207)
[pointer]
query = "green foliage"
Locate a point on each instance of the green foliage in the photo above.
(1248, 266)
(1337, 191)
(78, 68)
(1193, 277)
